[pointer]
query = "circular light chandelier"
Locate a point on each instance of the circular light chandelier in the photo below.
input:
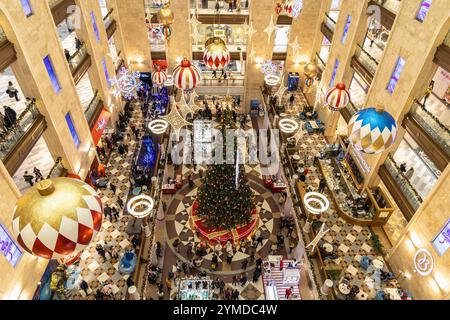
(158, 126)
(337, 98)
(57, 218)
(216, 56)
(272, 80)
(288, 126)
(321, 203)
(140, 206)
(186, 76)
(372, 130)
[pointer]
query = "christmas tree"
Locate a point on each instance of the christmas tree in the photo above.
(225, 201)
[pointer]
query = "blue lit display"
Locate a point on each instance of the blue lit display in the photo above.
(333, 76)
(396, 74)
(347, 26)
(26, 7)
(94, 25)
(8, 248)
(423, 10)
(73, 132)
(51, 74)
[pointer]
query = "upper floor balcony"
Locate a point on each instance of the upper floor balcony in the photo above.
(20, 135)
(365, 64)
(7, 52)
(213, 7)
(328, 26)
(79, 63)
(61, 9)
(110, 23)
(442, 56)
(403, 192)
(388, 10)
(94, 109)
(429, 133)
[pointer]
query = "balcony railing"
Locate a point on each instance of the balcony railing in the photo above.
(223, 83)
(118, 61)
(322, 64)
(108, 19)
(408, 190)
(391, 5)
(369, 62)
(92, 107)
(352, 108)
(2, 35)
(432, 125)
(330, 22)
(10, 137)
(57, 170)
(77, 58)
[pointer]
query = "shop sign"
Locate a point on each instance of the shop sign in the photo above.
(8, 248)
(423, 262)
(100, 125)
(442, 241)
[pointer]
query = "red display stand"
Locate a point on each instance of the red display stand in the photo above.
(169, 189)
(222, 235)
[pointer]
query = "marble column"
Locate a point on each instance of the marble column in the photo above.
(259, 47)
(130, 17)
(416, 42)
(342, 51)
(34, 39)
(179, 44)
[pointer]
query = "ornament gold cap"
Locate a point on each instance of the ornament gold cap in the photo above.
(379, 108)
(45, 187)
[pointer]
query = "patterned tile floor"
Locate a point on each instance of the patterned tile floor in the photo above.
(94, 269)
(351, 241)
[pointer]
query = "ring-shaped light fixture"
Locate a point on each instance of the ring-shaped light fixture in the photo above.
(169, 82)
(288, 126)
(140, 206)
(317, 198)
(158, 126)
(272, 80)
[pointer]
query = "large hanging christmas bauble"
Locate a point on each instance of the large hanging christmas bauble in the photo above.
(372, 130)
(165, 16)
(289, 8)
(159, 77)
(216, 56)
(57, 218)
(311, 70)
(337, 98)
(186, 76)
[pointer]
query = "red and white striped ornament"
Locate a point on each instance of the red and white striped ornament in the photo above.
(337, 98)
(186, 76)
(159, 78)
(216, 56)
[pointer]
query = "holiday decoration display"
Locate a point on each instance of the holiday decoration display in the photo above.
(160, 3)
(158, 126)
(316, 203)
(175, 119)
(288, 126)
(140, 206)
(293, 8)
(126, 84)
(225, 209)
(278, 6)
(270, 29)
(57, 218)
(159, 78)
(337, 98)
(186, 76)
(165, 17)
(372, 130)
(311, 70)
(216, 56)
